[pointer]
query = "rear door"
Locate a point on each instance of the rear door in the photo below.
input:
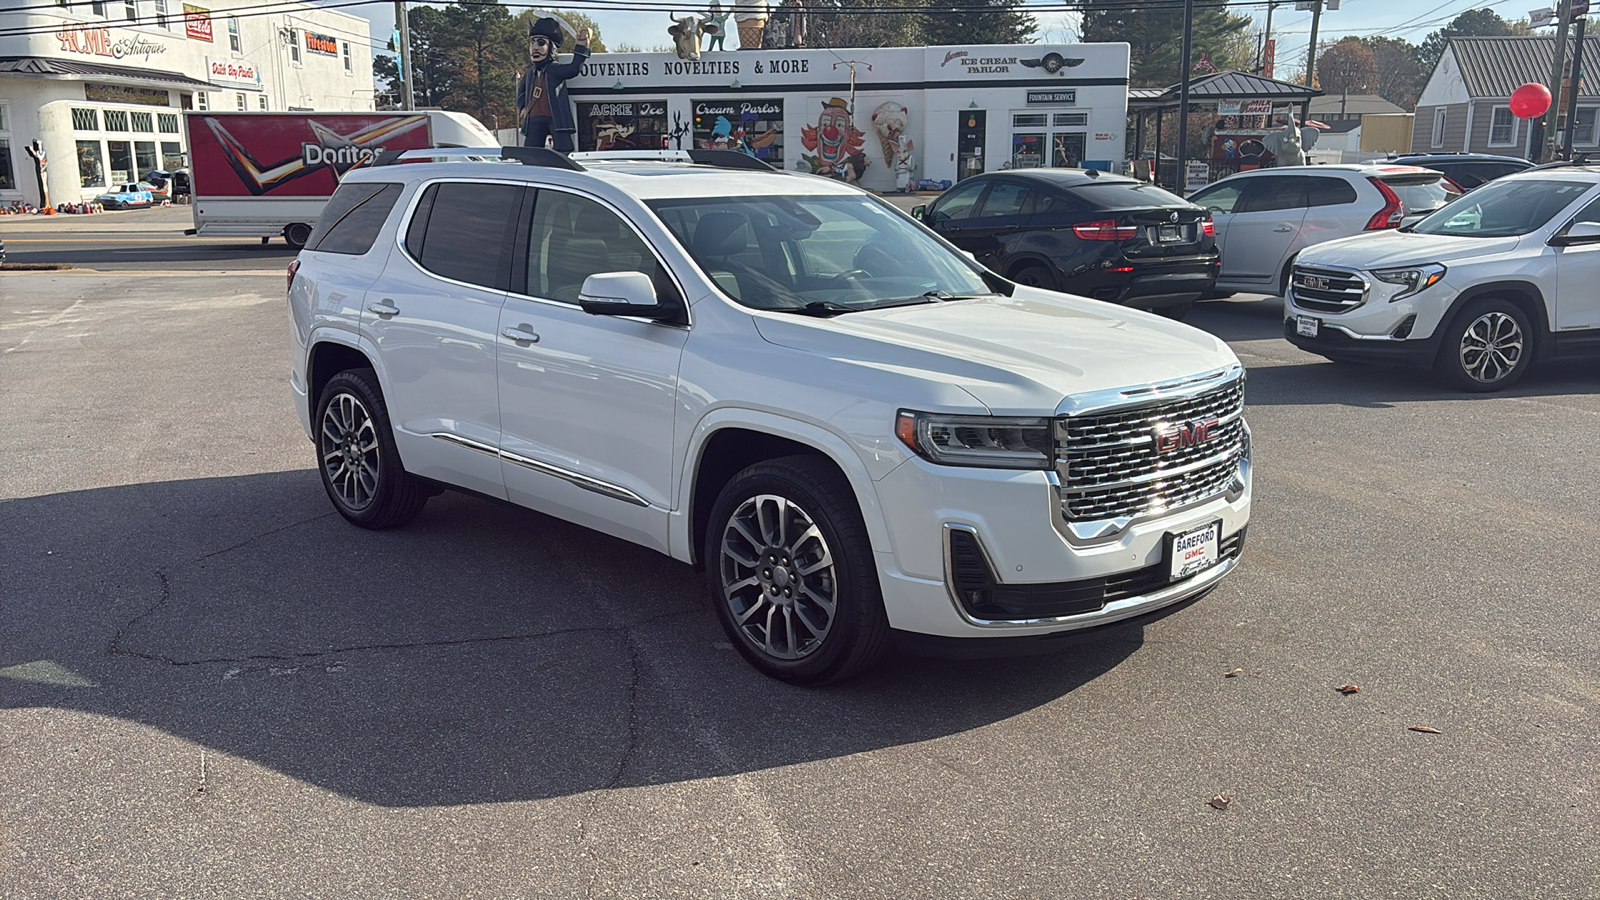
(435, 322)
(991, 234)
(1263, 227)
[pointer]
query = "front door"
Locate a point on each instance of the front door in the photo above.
(1577, 268)
(587, 402)
(989, 234)
(971, 132)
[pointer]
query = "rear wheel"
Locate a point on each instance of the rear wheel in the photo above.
(791, 572)
(297, 234)
(1486, 347)
(356, 454)
(1035, 276)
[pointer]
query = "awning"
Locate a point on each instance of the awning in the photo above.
(45, 67)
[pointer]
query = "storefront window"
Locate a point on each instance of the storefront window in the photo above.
(171, 155)
(1066, 150)
(202, 100)
(85, 120)
(144, 153)
(143, 122)
(167, 122)
(121, 171)
(1071, 120)
(1027, 151)
(1028, 120)
(753, 127)
(632, 125)
(116, 120)
(91, 165)
(8, 177)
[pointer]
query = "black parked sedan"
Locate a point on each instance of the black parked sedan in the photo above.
(1084, 232)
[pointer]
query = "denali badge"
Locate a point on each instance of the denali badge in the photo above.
(1177, 437)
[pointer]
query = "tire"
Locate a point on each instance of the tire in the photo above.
(1035, 276)
(356, 454)
(297, 234)
(1486, 347)
(785, 538)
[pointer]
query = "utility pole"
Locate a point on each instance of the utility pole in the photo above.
(1266, 41)
(1183, 102)
(404, 24)
(1311, 51)
(1572, 95)
(1546, 150)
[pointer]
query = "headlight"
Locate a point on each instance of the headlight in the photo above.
(1411, 279)
(993, 442)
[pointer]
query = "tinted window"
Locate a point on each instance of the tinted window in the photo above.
(353, 217)
(1329, 192)
(574, 237)
(418, 232)
(468, 231)
(958, 203)
(1007, 198)
(1124, 195)
(1220, 198)
(1272, 193)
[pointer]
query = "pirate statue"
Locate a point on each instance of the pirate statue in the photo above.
(543, 110)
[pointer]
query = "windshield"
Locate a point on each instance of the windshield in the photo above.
(821, 255)
(1506, 208)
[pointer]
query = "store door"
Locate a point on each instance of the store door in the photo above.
(1067, 149)
(971, 131)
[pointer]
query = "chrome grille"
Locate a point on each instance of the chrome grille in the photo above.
(1135, 461)
(1327, 290)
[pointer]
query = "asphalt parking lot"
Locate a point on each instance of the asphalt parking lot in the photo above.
(211, 686)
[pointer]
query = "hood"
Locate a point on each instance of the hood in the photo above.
(1018, 355)
(1388, 249)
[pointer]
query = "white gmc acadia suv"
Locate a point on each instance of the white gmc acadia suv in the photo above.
(854, 429)
(1480, 290)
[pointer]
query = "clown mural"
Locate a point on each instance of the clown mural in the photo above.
(835, 144)
(544, 111)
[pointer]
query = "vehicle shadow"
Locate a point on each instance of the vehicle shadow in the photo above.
(1244, 317)
(176, 252)
(484, 653)
(1320, 382)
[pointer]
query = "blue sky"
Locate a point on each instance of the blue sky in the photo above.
(1409, 19)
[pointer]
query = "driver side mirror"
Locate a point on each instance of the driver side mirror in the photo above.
(1578, 233)
(621, 294)
(920, 213)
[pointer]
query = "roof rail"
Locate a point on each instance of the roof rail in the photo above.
(1578, 159)
(721, 159)
(528, 156)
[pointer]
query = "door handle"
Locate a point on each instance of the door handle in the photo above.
(1009, 229)
(520, 334)
(1283, 228)
(383, 308)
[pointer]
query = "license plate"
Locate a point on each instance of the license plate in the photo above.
(1168, 234)
(1306, 326)
(1193, 551)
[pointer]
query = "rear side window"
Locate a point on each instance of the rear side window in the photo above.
(1124, 195)
(1007, 198)
(1273, 192)
(469, 232)
(353, 217)
(1329, 192)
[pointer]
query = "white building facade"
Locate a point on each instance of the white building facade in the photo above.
(963, 110)
(102, 85)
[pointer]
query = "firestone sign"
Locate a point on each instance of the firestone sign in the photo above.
(321, 43)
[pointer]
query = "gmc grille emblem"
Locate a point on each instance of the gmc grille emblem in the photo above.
(1188, 434)
(1316, 284)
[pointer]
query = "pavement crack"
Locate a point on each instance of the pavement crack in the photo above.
(165, 594)
(632, 745)
(253, 538)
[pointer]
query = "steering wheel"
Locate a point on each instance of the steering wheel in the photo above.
(850, 275)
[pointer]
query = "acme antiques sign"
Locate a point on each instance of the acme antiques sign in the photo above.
(94, 41)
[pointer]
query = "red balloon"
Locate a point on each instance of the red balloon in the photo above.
(1530, 101)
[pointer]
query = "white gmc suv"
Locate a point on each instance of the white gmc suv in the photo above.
(1480, 290)
(855, 430)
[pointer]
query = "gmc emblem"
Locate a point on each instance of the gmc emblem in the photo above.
(1313, 282)
(1177, 437)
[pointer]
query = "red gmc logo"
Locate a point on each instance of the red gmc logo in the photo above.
(1177, 437)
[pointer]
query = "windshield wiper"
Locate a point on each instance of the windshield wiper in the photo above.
(934, 296)
(821, 308)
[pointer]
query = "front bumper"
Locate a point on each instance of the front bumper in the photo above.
(1014, 516)
(1402, 332)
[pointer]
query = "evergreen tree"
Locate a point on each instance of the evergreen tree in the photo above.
(976, 22)
(1472, 23)
(1155, 34)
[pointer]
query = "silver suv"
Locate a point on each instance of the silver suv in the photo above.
(856, 431)
(1479, 291)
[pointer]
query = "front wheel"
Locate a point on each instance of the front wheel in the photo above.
(791, 572)
(1035, 276)
(1486, 347)
(356, 454)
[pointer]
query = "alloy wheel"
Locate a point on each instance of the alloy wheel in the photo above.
(778, 577)
(349, 447)
(1491, 347)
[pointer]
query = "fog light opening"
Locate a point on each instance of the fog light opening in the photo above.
(1403, 330)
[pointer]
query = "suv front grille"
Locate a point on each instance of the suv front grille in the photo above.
(1133, 462)
(1327, 290)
